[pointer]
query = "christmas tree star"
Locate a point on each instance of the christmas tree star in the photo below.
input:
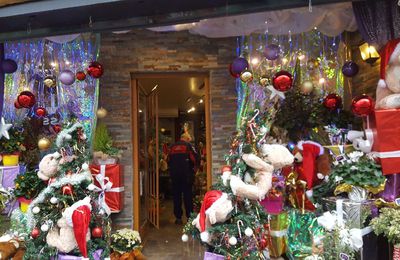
(4, 129)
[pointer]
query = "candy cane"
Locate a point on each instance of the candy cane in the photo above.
(238, 223)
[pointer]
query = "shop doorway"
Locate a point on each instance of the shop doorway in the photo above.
(165, 105)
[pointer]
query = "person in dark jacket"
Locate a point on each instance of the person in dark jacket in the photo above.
(182, 166)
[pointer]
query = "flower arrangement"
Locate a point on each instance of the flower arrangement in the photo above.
(14, 144)
(28, 185)
(388, 224)
(125, 240)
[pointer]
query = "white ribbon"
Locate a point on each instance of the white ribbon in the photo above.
(385, 155)
(105, 186)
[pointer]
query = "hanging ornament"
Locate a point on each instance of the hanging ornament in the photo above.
(263, 81)
(67, 77)
(35, 210)
(101, 112)
(53, 200)
(350, 69)
(57, 128)
(332, 101)
(9, 66)
(95, 70)
(35, 233)
(97, 232)
(362, 105)
(80, 75)
(50, 81)
(40, 111)
(272, 51)
(17, 105)
(263, 243)
(239, 65)
(246, 76)
(67, 189)
(26, 99)
(44, 144)
(306, 87)
(282, 81)
(44, 227)
(235, 75)
(232, 241)
(248, 232)
(185, 238)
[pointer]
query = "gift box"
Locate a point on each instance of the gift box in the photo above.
(392, 188)
(8, 174)
(278, 229)
(386, 141)
(108, 180)
(213, 256)
(96, 256)
(273, 204)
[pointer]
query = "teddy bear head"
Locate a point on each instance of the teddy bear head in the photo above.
(277, 155)
(48, 166)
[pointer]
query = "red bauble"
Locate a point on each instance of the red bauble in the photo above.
(233, 74)
(97, 232)
(332, 101)
(282, 81)
(263, 243)
(35, 233)
(362, 105)
(67, 189)
(226, 168)
(17, 105)
(26, 99)
(40, 111)
(95, 70)
(57, 128)
(80, 75)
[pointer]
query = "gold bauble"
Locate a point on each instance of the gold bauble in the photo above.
(307, 87)
(44, 144)
(246, 76)
(263, 81)
(49, 81)
(101, 112)
(312, 64)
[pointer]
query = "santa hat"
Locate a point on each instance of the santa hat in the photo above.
(78, 217)
(388, 53)
(211, 202)
(310, 150)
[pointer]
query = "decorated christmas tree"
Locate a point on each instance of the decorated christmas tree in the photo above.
(68, 217)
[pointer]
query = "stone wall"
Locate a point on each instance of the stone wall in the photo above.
(146, 51)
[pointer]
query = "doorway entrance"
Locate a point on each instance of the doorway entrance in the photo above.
(164, 106)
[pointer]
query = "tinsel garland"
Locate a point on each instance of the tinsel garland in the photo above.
(66, 134)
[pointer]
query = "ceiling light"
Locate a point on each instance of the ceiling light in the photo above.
(154, 88)
(192, 109)
(140, 111)
(201, 101)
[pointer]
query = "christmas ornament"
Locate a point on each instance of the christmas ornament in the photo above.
(239, 65)
(97, 232)
(26, 99)
(67, 77)
(246, 76)
(263, 81)
(350, 69)
(307, 87)
(40, 111)
(235, 75)
(35, 233)
(9, 66)
(248, 232)
(53, 200)
(282, 81)
(50, 81)
(95, 70)
(312, 64)
(67, 189)
(44, 228)
(362, 105)
(17, 105)
(185, 238)
(80, 75)
(232, 241)
(332, 101)
(101, 112)
(263, 243)
(35, 210)
(44, 144)
(91, 187)
(57, 128)
(272, 51)
(4, 129)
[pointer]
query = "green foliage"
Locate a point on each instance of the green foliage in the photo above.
(14, 144)
(28, 185)
(103, 141)
(333, 246)
(388, 224)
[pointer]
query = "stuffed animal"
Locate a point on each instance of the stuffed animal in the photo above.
(48, 166)
(11, 248)
(388, 90)
(362, 140)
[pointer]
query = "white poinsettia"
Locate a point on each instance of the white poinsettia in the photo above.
(355, 156)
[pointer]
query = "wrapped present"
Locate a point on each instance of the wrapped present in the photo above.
(273, 203)
(278, 225)
(108, 181)
(213, 256)
(97, 255)
(392, 188)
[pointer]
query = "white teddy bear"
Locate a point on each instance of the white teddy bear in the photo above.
(48, 166)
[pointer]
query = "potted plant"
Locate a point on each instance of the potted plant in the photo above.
(11, 148)
(104, 151)
(126, 244)
(388, 224)
(27, 187)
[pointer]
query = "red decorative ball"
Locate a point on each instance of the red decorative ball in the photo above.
(282, 81)
(57, 128)
(67, 189)
(40, 111)
(332, 101)
(17, 105)
(233, 74)
(95, 70)
(97, 232)
(80, 75)
(226, 168)
(26, 99)
(263, 243)
(35, 233)
(362, 105)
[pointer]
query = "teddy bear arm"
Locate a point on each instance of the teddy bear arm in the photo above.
(390, 102)
(42, 176)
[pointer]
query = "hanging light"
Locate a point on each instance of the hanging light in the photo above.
(369, 53)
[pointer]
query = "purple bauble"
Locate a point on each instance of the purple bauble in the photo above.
(272, 51)
(239, 65)
(350, 69)
(9, 66)
(67, 77)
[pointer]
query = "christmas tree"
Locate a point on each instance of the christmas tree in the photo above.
(68, 216)
(231, 221)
